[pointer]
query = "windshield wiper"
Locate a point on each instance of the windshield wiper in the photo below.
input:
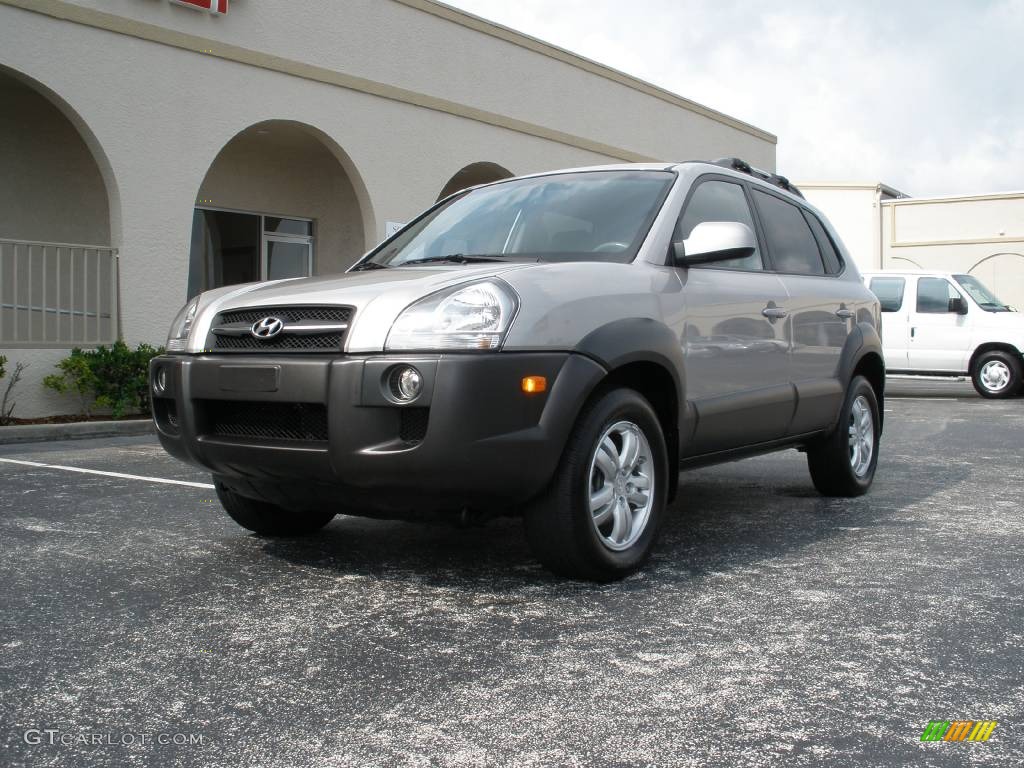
(452, 258)
(366, 265)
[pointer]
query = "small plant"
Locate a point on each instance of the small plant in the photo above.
(114, 377)
(7, 404)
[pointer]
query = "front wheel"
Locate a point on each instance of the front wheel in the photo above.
(996, 374)
(268, 519)
(843, 464)
(599, 517)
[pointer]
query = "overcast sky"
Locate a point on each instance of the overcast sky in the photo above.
(925, 95)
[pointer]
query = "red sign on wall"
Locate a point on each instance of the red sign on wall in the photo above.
(213, 6)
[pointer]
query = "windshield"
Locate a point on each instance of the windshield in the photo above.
(982, 295)
(585, 216)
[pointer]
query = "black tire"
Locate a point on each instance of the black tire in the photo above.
(269, 519)
(559, 524)
(1009, 369)
(831, 459)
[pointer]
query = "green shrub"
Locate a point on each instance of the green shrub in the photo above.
(114, 377)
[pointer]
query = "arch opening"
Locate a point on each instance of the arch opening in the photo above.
(281, 199)
(473, 174)
(59, 222)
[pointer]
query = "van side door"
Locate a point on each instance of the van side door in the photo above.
(940, 337)
(733, 333)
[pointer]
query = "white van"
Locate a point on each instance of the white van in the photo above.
(942, 324)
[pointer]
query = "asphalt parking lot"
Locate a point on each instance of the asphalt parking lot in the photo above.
(772, 626)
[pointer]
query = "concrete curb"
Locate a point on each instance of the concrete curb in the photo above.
(80, 430)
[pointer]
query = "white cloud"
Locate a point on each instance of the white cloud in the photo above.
(925, 96)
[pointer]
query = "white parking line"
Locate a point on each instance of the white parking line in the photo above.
(108, 474)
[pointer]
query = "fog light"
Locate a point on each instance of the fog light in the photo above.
(160, 381)
(405, 383)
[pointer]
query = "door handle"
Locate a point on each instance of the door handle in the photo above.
(846, 314)
(774, 313)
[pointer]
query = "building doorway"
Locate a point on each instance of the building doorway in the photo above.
(230, 247)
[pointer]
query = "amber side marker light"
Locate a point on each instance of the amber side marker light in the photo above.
(533, 384)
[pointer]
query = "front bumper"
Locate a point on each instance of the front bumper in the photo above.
(310, 430)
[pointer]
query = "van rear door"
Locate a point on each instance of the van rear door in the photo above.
(891, 292)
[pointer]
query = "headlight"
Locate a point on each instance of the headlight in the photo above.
(474, 316)
(177, 339)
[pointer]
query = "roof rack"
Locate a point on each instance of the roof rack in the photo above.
(736, 164)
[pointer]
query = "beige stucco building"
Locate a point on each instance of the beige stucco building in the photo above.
(150, 150)
(981, 235)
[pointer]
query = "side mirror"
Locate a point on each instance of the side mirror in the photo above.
(958, 305)
(712, 241)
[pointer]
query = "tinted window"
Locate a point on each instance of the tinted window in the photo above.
(833, 265)
(889, 291)
(790, 241)
(719, 201)
(933, 295)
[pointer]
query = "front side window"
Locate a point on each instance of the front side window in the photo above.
(933, 295)
(589, 216)
(889, 291)
(719, 201)
(790, 241)
(981, 294)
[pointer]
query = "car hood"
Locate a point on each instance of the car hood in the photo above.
(378, 297)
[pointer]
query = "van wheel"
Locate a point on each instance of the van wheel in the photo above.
(599, 517)
(269, 519)
(996, 374)
(843, 464)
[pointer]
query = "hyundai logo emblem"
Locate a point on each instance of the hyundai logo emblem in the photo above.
(267, 328)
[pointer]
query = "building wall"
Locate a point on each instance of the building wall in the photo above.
(980, 235)
(394, 42)
(401, 99)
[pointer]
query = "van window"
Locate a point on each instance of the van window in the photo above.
(829, 254)
(719, 201)
(889, 291)
(790, 242)
(933, 295)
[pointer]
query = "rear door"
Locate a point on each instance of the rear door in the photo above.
(737, 357)
(891, 293)
(940, 340)
(821, 310)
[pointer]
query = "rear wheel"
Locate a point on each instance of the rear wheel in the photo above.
(599, 518)
(269, 519)
(843, 464)
(996, 374)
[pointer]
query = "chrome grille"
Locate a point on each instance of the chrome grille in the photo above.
(229, 331)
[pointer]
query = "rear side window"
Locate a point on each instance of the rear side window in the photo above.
(889, 291)
(719, 201)
(933, 295)
(790, 241)
(829, 254)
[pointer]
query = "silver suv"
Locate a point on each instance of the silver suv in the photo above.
(557, 346)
